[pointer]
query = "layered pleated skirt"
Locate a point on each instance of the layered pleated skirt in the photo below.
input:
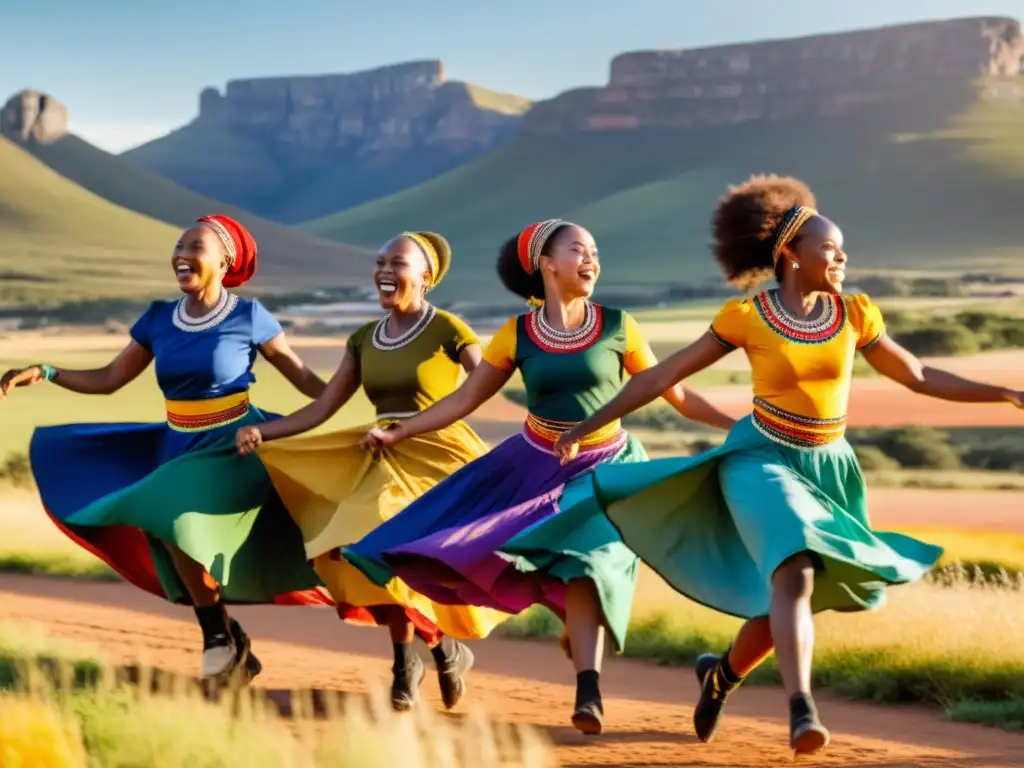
(122, 490)
(716, 526)
(493, 535)
(337, 491)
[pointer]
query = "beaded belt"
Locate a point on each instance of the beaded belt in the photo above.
(795, 430)
(201, 415)
(543, 434)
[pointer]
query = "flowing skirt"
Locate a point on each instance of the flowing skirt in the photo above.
(716, 526)
(492, 535)
(338, 491)
(119, 490)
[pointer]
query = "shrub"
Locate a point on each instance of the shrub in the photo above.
(17, 471)
(874, 459)
(919, 448)
(939, 339)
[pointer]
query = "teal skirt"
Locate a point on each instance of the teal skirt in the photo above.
(716, 526)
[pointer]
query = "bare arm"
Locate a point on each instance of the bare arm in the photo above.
(652, 383)
(336, 393)
(693, 406)
(483, 383)
(279, 353)
(122, 370)
(894, 362)
(470, 357)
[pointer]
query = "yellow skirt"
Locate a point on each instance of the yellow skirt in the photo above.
(337, 491)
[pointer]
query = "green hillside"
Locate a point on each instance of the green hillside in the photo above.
(290, 259)
(60, 242)
(933, 185)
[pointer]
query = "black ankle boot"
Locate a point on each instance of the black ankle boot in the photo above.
(243, 646)
(717, 681)
(453, 661)
(408, 672)
(588, 716)
(806, 733)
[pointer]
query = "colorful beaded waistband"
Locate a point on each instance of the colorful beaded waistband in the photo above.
(544, 433)
(201, 415)
(795, 430)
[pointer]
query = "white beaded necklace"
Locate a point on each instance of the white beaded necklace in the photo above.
(225, 306)
(383, 342)
(563, 339)
(814, 325)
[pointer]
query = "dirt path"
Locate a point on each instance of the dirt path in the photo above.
(647, 707)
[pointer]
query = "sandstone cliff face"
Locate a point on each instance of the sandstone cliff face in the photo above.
(821, 76)
(260, 140)
(34, 116)
(391, 109)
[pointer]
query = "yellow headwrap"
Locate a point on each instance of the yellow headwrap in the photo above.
(791, 223)
(437, 252)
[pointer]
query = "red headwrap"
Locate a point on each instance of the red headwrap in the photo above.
(240, 247)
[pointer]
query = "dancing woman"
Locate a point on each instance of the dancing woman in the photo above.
(490, 534)
(153, 500)
(338, 491)
(773, 525)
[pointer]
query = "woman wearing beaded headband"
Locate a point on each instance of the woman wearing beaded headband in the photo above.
(490, 534)
(153, 500)
(337, 491)
(772, 526)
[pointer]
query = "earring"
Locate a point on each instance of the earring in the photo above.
(795, 265)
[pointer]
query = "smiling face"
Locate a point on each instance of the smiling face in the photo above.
(818, 250)
(571, 261)
(401, 275)
(199, 260)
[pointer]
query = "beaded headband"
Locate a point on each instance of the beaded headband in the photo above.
(433, 263)
(790, 225)
(531, 241)
(225, 238)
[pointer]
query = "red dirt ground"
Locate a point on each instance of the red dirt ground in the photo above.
(648, 712)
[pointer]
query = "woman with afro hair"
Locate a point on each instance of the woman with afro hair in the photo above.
(490, 535)
(772, 526)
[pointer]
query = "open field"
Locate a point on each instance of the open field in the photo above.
(648, 717)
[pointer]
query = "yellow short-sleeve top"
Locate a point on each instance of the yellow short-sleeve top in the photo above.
(801, 370)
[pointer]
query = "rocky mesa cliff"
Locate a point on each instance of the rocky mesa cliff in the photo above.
(297, 147)
(825, 76)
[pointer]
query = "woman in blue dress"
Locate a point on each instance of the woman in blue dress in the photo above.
(153, 500)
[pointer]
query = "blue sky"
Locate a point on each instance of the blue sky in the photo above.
(131, 70)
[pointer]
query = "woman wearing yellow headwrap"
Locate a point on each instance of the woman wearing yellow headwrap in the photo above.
(338, 490)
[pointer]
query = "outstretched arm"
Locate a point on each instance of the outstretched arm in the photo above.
(279, 353)
(651, 384)
(896, 363)
(337, 392)
(691, 405)
(122, 370)
(483, 383)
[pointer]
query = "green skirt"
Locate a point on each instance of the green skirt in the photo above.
(717, 526)
(122, 490)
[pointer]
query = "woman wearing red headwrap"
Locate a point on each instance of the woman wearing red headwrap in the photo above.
(150, 499)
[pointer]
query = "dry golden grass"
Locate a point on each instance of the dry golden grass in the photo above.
(67, 710)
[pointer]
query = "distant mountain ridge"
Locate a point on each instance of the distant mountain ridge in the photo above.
(294, 148)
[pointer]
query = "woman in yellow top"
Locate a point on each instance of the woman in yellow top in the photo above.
(338, 490)
(773, 525)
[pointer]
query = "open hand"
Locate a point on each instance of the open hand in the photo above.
(1016, 398)
(567, 447)
(20, 377)
(248, 439)
(378, 438)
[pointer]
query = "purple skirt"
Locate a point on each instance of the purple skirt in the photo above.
(491, 535)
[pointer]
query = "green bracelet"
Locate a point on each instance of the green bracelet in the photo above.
(49, 372)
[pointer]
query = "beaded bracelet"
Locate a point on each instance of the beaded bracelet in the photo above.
(49, 372)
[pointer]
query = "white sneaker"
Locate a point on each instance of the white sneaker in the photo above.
(219, 659)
